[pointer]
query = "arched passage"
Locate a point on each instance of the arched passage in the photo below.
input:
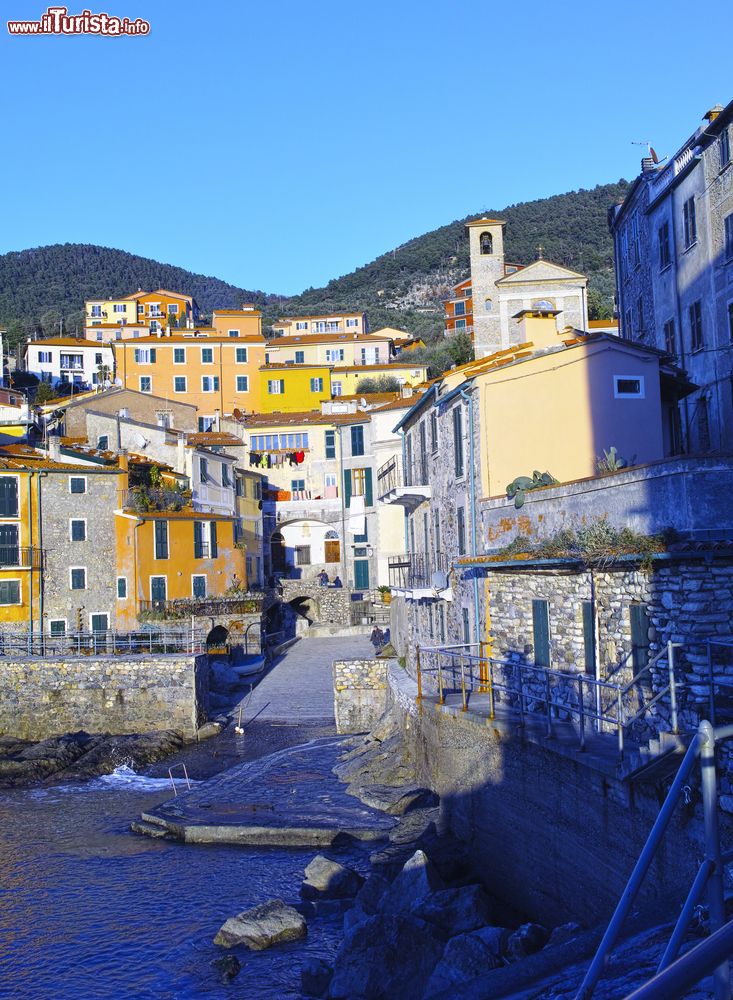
(277, 552)
(217, 639)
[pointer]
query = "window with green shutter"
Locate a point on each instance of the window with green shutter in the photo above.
(198, 540)
(161, 539)
(639, 636)
(589, 637)
(9, 591)
(357, 440)
(8, 496)
(541, 632)
(458, 441)
(347, 487)
(214, 549)
(331, 444)
(368, 492)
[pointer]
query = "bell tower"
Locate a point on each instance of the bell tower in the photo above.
(486, 245)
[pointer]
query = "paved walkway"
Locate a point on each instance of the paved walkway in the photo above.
(299, 686)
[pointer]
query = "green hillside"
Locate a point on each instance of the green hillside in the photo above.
(45, 288)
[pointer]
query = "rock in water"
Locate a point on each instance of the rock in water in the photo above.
(263, 926)
(455, 911)
(526, 941)
(466, 957)
(384, 958)
(315, 976)
(395, 800)
(228, 967)
(418, 878)
(327, 879)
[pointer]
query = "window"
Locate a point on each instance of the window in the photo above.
(77, 484)
(57, 626)
(226, 479)
(241, 355)
(96, 310)
(77, 530)
(207, 355)
(541, 632)
(72, 362)
(301, 325)
(337, 388)
(146, 383)
(242, 383)
(212, 540)
(466, 625)
(665, 257)
(695, 314)
(276, 386)
(724, 148)
(352, 322)
(628, 387)
(100, 337)
(172, 309)
(689, 223)
(316, 385)
(209, 383)
(459, 308)
(331, 443)
(458, 441)
(9, 591)
(103, 442)
(9, 496)
(300, 357)
(145, 355)
(179, 355)
(589, 637)
(670, 337)
(460, 324)
(161, 539)
(302, 555)
(486, 243)
(635, 242)
(728, 231)
(205, 424)
(233, 333)
(433, 431)
(357, 440)
(357, 482)
(121, 588)
(98, 622)
(204, 470)
(44, 357)
(461, 530)
(296, 485)
(329, 480)
(334, 354)
(198, 585)
(78, 578)
(158, 588)
(179, 383)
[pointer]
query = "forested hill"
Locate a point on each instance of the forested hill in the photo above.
(43, 287)
(40, 287)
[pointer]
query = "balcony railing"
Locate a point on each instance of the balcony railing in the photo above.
(247, 604)
(406, 483)
(22, 556)
(148, 498)
(104, 643)
(416, 570)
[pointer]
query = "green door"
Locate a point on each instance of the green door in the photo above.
(99, 623)
(361, 574)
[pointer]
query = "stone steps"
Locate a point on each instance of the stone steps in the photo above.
(155, 829)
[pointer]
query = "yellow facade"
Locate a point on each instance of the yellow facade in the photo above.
(211, 372)
(249, 514)
(246, 322)
(293, 388)
(178, 562)
(344, 381)
(351, 323)
(20, 557)
(329, 349)
(150, 309)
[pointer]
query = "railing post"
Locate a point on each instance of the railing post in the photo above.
(483, 671)
(716, 906)
(672, 687)
(620, 722)
(581, 711)
(419, 674)
(711, 684)
(521, 693)
(548, 704)
(441, 696)
(463, 684)
(490, 664)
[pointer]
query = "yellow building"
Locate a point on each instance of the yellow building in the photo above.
(213, 372)
(20, 554)
(329, 349)
(244, 322)
(249, 491)
(154, 310)
(344, 380)
(352, 323)
(293, 388)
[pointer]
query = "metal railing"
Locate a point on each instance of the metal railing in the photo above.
(534, 690)
(108, 643)
(22, 556)
(415, 569)
(250, 604)
(147, 498)
(395, 474)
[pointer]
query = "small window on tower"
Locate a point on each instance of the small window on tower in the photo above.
(486, 242)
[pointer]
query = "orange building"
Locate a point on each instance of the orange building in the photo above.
(459, 310)
(214, 372)
(153, 310)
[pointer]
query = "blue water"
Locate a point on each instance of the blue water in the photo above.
(89, 910)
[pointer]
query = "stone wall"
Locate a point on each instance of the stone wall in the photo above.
(40, 698)
(326, 605)
(359, 693)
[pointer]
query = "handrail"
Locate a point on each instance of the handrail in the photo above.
(677, 979)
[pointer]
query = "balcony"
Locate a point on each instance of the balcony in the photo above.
(151, 498)
(211, 496)
(403, 484)
(417, 575)
(21, 557)
(247, 604)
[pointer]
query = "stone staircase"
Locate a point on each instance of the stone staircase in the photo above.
(656, 760)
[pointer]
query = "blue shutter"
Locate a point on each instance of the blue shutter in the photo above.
(347, 487)
(152, 355)
(198, 540)
(214, 549)
(368, 494)
(639, 636)
(541, 629)
(589, 637)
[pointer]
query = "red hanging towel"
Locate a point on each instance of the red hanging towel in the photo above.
(299, 457)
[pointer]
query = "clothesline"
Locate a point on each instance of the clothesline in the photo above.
(268, 460)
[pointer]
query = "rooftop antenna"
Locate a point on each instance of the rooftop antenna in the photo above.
(650, 150)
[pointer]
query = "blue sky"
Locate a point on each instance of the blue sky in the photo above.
(279, 145)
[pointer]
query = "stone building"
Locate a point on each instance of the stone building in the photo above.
(673, 245)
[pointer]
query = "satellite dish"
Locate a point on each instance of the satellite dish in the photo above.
(362, 402)
(653, 152)
(439, 580)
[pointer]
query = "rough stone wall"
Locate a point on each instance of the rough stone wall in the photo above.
(548, 834)
(40, 698)
(359, 693)
(142, 407)
(328, 605)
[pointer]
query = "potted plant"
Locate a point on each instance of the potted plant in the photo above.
(386, 594)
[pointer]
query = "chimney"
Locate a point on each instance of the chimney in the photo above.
(538, 326)
(647, 165)
(216, 425)
(713, 113)
(124, 459)
(54, 448)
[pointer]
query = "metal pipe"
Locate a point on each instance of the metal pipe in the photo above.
(678, 978)
(491, 689)
(716, 906)
(463, 685)
(581, 712)
(548, 705)
(641, 867)
(683, 921)
(474, 542)
(711, 683)
(620, 723)
(672, 688)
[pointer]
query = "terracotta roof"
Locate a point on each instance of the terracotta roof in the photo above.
(331, 315)
(307, 417)
(80, 342)
(328, 338)
(19, 457)
(177, 338)
(237, 312)
(285, 366)
(401, 404)
(483, 220)
(384, 366)
(214, 439)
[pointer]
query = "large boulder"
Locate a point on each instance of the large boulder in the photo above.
(228, 967)
(367, 900)
(327, 879)
(396, 800)
(315, 976)
(263, 926)
(529, 939)
(466, 957)
(417, 879)
(455, 911)
(385, 957)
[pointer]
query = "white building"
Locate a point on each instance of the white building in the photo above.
(65, 359)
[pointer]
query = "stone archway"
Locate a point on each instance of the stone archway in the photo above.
(217, 639)
(278, 552)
